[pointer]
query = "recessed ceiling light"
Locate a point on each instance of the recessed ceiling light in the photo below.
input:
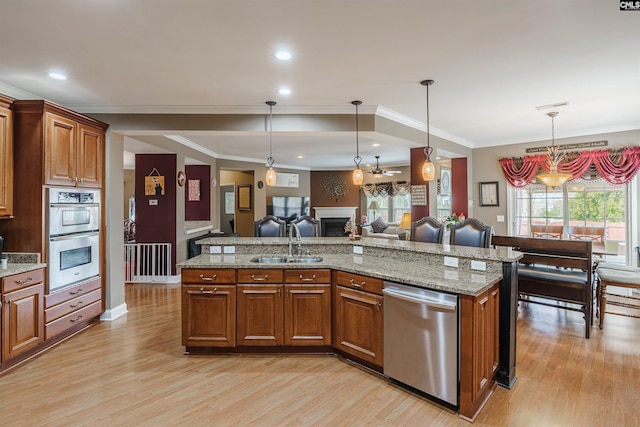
(375, 144)
(284, 91)
(301, 157)
(57, 76)
(282, 55)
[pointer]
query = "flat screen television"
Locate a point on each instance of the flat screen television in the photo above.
(288, 206)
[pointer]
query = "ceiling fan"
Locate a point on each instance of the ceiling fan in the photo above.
(378, 172)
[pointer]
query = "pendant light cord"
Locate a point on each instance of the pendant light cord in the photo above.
(357, 159)
(270, 159)
(428, 150)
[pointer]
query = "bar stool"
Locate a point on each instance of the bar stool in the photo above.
(623, 276)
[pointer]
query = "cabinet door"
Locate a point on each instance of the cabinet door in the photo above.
(6, 163)
(358, 326)
(22, 320)
(307, 315)
(208, 316)
(60, 152)
(259, 315)
(90, 149)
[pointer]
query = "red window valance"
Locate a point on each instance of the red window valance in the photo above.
(616, 167)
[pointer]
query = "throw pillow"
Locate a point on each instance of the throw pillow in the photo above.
(379, 225)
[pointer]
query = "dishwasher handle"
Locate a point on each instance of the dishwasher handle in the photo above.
(420, 300)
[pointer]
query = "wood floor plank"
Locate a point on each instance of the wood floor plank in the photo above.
(132, 371)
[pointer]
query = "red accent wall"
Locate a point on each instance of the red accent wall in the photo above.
(157, 224)
(459, 194)
(320, 199)
(198, 210)
(417, 159)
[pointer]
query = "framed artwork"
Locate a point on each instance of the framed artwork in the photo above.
(244, 197)
(154, 185)
(489, 194)
(445, 181)
(194, 190)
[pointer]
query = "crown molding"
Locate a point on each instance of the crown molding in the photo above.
(14, 92)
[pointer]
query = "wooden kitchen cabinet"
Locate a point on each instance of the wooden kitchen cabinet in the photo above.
(307, 307)
(294, 313)
(73, 152)
(208, 308)
(22, 313)
(358, 317)
(71, 306)
(479, 349)
(6, 158)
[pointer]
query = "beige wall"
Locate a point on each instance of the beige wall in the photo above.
(486, 167)
(129, 190)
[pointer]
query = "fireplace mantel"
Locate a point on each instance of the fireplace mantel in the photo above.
(335, 212)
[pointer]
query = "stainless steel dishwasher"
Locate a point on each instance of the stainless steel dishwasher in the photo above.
(421, 340)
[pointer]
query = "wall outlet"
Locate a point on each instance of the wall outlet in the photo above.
(500, 218)
(215, 249)
(153, 202)
(357, 250)
(229, 249)
(450, 275)
(479, 265)
(450, 261)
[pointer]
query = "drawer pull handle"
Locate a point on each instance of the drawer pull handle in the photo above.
(259, 279)
(208, 292)
(208, 279)
(358, 285)
(76, 320)
(24, 282)
(308, 279)
(76, 305)
(76, 292)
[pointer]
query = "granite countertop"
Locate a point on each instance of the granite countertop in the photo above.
(16, 268)
(441, 278)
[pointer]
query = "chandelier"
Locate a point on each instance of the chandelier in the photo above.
(553, 178)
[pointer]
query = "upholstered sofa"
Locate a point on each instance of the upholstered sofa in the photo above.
(391, 231)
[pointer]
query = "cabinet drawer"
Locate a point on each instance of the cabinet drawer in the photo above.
(307, 276)
(362, 283)
(260, 275)
(62, 324)
(72, 305)
(71, 292)
(22, 280)
(208, 275)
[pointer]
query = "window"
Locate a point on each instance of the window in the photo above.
(597, 205)
(389, 208)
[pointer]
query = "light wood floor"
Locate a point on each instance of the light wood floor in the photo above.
(132, 372)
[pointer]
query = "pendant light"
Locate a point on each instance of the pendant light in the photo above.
(428, 169)
(358, 176)
(270, 178)
(553, 178)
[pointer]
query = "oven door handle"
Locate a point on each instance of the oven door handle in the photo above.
(74, 205)
(74, 236)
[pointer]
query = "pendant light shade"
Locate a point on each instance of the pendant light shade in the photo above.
(270, 177)
(428, 168)
(358, 176)
(553, 178)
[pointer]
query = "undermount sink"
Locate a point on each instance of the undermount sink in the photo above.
(283, 259)
(269, 259)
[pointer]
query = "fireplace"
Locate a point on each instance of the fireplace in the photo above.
(333, 227)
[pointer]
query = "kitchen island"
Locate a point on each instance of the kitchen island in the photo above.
(228, 298)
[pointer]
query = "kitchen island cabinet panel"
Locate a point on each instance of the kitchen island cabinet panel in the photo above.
(358, 324)
(209, 316)
(307, 315)
(260, 319)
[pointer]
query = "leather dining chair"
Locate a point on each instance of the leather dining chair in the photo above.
(309, 227)
(270, 226)
(427, 229)
(471, 232)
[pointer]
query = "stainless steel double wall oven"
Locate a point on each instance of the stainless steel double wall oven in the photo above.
(73, 228)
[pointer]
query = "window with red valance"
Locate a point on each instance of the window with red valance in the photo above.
(617, 167)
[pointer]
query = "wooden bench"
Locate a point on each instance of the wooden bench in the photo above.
(559, 270)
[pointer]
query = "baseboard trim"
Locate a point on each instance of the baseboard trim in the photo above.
(112, 314)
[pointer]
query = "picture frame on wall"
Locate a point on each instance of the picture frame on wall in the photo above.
(244, 197)
(489, 194)
(445, 181)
